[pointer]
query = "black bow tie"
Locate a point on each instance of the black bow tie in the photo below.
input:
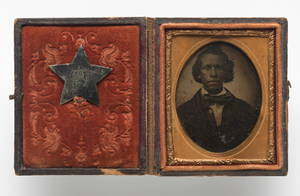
(221, 100)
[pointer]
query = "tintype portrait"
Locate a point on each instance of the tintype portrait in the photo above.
(218, 97)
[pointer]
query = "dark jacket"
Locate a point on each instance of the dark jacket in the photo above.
(197, 118)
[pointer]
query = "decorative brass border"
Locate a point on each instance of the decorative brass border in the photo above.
(271, 154)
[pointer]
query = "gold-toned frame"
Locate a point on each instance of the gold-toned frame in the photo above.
(274, 153)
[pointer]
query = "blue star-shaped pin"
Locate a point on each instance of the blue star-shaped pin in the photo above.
(80, 78)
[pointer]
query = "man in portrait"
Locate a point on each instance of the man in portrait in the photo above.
(214, 118)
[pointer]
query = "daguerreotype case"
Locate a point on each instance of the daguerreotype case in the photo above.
(160, 96)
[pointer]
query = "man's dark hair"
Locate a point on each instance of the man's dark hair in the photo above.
(215, 49)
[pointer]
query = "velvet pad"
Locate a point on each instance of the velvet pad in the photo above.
(79, 133)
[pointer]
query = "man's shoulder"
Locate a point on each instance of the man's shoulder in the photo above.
(190, 105)
(186, 107)
(240, 102)
(242, 108)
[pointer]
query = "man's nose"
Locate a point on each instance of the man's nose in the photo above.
(213, 72)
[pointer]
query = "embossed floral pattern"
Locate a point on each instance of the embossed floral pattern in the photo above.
(48, 134)
(80, 107)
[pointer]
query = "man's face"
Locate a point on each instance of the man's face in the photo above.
(212, 73)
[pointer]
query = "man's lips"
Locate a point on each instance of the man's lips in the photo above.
(214, 82)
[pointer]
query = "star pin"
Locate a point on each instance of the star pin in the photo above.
(80, 78)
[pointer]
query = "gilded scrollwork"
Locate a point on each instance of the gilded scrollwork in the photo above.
(271, 157)
(271, 152)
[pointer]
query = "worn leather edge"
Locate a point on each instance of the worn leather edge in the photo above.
(150, 95)
(18, 163)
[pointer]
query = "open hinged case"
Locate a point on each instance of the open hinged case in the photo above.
(161, 96)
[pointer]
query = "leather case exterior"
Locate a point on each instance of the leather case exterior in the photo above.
(138, 127)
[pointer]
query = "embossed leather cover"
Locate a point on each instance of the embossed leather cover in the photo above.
(80, 134)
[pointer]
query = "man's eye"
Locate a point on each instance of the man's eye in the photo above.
(219, 68)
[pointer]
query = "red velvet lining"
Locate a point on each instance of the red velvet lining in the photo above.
(80, 134)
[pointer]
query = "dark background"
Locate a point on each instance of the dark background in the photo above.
(11, 185)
